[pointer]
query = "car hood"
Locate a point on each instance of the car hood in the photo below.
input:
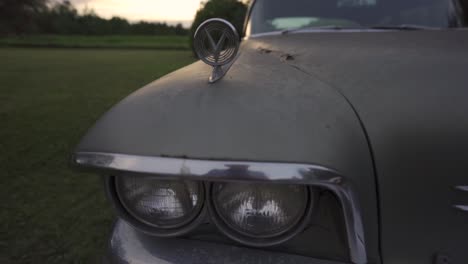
(284, 93)
(355, 62)
(264, 109)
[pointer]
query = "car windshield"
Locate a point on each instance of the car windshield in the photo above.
(279, 15)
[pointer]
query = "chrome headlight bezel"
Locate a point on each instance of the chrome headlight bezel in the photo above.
(313, 175)
(148, 228)
(269, 241)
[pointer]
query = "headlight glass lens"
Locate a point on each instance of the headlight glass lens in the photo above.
(160, 203)
(260, 210)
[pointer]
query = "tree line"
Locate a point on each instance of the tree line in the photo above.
(20, 17)
(45, 17)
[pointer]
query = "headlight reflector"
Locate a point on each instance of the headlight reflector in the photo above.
(260, 210)
(160, 203)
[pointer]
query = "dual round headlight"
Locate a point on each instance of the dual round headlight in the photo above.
(259, 214)
(162, 207)
(255, 214)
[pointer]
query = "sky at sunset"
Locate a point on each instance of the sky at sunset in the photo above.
(170, 11)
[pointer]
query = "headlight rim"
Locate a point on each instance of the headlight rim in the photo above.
(143, 226)
(241, 238)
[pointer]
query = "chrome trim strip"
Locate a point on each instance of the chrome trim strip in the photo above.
(462, 188)
(463, 208)
(213, 170)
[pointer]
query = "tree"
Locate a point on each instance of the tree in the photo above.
(180, 30)
(17, 16)
(233, 11)
(61, 17)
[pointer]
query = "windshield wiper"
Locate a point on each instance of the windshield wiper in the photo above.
(403, 27)
(381, 27)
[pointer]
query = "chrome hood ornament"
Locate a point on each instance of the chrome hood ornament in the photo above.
(216, 43)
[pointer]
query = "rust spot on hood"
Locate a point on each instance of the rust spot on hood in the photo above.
(283, 56)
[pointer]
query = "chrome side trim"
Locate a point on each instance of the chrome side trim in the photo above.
(213, 170)
(462, 188)
(463, 208)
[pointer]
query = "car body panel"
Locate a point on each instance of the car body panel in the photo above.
(410, 90)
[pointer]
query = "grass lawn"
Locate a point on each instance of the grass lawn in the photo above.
(48, 99)
(77, 41)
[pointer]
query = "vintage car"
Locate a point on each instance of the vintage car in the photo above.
(335, 131)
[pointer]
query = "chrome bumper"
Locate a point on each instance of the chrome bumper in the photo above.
(128, 246)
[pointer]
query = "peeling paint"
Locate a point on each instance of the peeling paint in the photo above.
(283, 56)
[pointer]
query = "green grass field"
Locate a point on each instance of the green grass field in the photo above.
(120, 42)
(48, 99)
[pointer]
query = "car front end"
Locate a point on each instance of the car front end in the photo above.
(302, 144)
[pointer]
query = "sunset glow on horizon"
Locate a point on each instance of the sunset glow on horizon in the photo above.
(149, 10)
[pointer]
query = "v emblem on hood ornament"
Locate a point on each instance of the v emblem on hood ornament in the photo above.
(216, 42)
